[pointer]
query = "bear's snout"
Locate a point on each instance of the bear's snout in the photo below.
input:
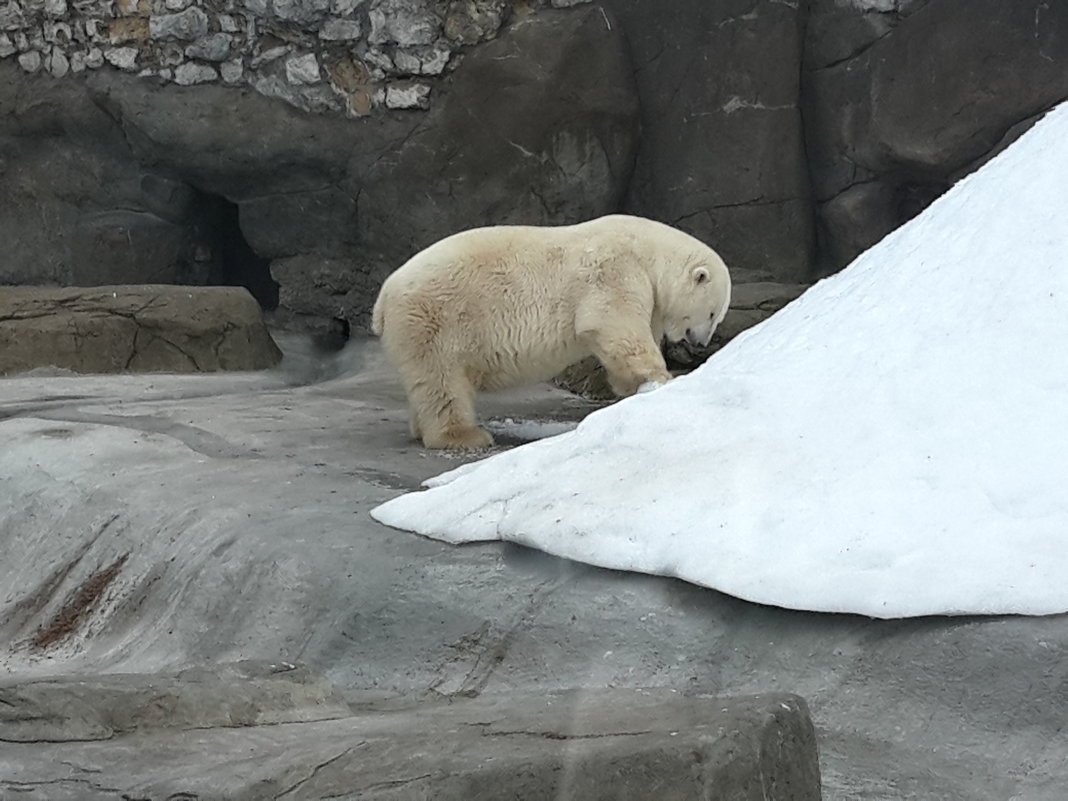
(695, 339)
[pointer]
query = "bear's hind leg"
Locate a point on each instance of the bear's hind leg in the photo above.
(444, 413)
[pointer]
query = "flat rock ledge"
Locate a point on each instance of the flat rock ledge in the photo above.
(253, 731)
(144, 328)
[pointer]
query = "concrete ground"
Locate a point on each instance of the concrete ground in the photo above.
(156, 524)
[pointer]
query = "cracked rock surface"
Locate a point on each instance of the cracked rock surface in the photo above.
(604, 744)
(133, 328)
(168, 538)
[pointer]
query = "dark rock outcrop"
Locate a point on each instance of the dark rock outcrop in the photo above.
(903, 98)
(78, 208)
(722, 153)
(141, 329)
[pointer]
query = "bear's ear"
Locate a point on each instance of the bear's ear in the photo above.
(700, 275)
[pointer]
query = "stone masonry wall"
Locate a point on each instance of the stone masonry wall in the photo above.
(341, 56)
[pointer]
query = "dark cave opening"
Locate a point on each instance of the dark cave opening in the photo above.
(220, 246)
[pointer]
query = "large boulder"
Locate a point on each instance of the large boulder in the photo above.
(722, 153)
(902, 97)
(138, 329)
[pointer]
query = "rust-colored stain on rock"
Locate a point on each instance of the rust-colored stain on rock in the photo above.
(77, 607)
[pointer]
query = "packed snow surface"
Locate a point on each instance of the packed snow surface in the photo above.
(893, 443)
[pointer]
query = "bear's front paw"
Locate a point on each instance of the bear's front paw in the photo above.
(649, 386)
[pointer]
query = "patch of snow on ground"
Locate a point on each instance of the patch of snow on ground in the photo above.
(528, 430)
(893, 443)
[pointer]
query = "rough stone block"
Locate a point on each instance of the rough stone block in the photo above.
(187, 25)
(101, 707)
(125, 58)
(581, 744)
(340, 30)
(191, 73)
(408, 95)
(213, 47)
(31, 62)
(303, 68)
(133, 328)
(404, 22)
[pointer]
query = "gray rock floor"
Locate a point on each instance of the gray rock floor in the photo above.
(155, 524)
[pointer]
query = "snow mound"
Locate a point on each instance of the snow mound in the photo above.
(893, 443)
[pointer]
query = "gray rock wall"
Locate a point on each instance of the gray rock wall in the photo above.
(305, 149)
(722, 153)
(117, 174)
(902, 97)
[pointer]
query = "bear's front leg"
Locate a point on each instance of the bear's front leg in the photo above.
(631, 359)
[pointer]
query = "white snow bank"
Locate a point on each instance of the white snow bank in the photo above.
(893, 443)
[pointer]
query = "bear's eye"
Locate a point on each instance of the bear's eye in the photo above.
(700, 275)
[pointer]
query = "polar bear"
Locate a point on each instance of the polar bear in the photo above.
(491, 308)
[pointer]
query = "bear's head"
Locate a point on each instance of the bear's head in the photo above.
(693, 296)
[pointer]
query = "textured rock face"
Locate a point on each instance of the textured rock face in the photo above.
(139, 329)
(540, 126)
(304, 53)
(323, 142)
(901, 98)
(79, 208)
(722, 153)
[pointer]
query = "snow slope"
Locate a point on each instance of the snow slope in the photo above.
(893, 443)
